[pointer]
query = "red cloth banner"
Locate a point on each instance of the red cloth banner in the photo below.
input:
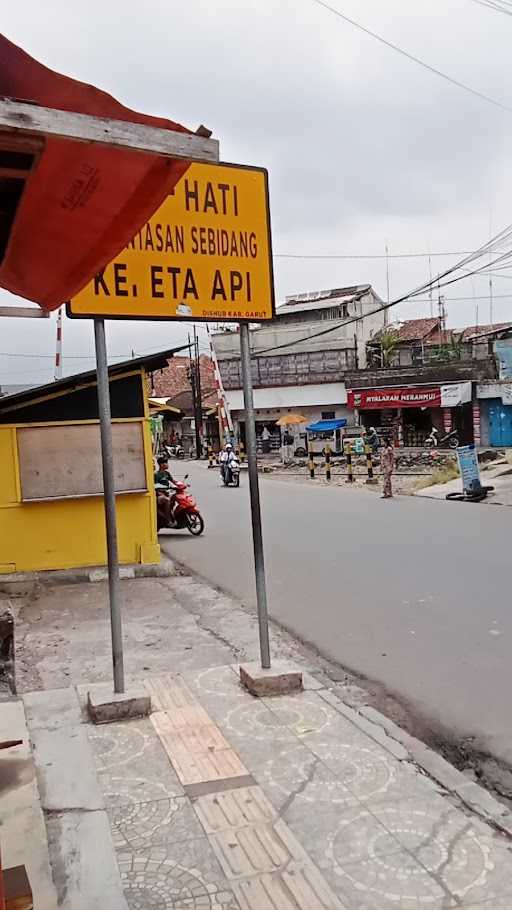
(81, 203)
(373, 399)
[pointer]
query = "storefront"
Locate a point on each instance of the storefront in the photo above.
(407, 415)
(493, 409)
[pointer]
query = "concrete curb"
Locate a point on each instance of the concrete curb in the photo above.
(19, 580)
(405, 747)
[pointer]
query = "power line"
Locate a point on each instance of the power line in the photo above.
(487, 247)
(413, 58)
(496, 5)
(366, 255)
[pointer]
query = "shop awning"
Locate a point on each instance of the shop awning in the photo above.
(326, 426)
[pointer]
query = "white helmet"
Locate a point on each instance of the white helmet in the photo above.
(228, 445)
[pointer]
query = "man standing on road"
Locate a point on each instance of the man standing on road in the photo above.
(387, 461)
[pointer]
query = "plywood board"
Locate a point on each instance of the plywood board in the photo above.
(57, 462)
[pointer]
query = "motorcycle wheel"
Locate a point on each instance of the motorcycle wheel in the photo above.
(237, 480)
(453, 442)
(195, 523)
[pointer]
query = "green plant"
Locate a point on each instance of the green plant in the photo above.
(440, 475)
(388, 344)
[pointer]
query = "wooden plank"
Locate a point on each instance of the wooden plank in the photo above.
(24, 312)
(18, 893)
(31, 119)
(65, 461)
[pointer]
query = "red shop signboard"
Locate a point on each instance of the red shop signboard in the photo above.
(368, 399)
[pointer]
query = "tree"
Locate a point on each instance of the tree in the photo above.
(388, 344)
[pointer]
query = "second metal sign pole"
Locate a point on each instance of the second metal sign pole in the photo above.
(107, 461)
(257, 537)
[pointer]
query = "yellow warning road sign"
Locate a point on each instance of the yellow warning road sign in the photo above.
(205, 255)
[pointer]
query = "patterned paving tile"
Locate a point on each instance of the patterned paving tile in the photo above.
(306, 712)
(132, 765)
(349, 834)
(161, 822)
(184, 877)
(391, 882)
(367, 770)
(460, 852)
(295, 775)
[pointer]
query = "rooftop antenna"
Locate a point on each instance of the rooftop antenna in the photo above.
(387, 267)
(430, 289)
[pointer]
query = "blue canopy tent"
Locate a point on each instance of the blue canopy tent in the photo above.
(326, 426)
(326, 431)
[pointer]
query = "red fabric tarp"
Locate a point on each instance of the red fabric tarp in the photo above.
(82, 203)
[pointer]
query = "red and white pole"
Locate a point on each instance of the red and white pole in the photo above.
(224, 413)
(58, 350)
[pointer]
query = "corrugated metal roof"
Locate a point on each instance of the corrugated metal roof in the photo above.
(475, 331)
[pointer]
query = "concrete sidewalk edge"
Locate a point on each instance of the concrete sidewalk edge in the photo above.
(166, 568)
(407, 748)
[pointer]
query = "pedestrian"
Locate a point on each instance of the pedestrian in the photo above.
(265, 440)
(387, 461)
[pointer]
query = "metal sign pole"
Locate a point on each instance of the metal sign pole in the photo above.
(250, 442)
(107, 459)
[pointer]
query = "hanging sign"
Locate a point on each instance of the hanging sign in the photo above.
(204, 255)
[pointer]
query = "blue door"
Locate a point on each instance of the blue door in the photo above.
(500, 423)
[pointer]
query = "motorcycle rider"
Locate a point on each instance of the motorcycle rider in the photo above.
(164, 478)
(226, 457)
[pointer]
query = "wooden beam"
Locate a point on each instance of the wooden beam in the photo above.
(21, 118)
(23, 312)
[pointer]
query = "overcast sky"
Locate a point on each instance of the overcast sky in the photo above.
(363, 146)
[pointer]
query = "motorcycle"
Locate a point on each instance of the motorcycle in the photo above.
(183, 513)
(230, 472)
(450, 440)
(174, 451)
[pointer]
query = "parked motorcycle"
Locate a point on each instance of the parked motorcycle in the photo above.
(449, 440)
(184, 512)
(230, 472)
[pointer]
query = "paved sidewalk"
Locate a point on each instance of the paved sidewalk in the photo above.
(221, 801)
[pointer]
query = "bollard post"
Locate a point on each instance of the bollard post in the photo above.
(350, 470)
(327, 462)
(369, 464)
(311, 461)
(210, 457)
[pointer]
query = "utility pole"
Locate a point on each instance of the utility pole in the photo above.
(199, 399)
(192, 375)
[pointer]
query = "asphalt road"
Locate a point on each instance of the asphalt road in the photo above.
(412, 593)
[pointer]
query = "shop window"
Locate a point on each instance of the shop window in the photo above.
(328, 415)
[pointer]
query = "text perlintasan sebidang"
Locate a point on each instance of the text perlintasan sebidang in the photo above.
(179, 283)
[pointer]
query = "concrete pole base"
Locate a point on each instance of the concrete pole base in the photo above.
(280, 679)
(106, 706)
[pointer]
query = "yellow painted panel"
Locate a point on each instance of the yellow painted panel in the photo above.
(71, 533)
(8, 493)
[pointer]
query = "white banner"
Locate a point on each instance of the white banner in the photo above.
(454, 394)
